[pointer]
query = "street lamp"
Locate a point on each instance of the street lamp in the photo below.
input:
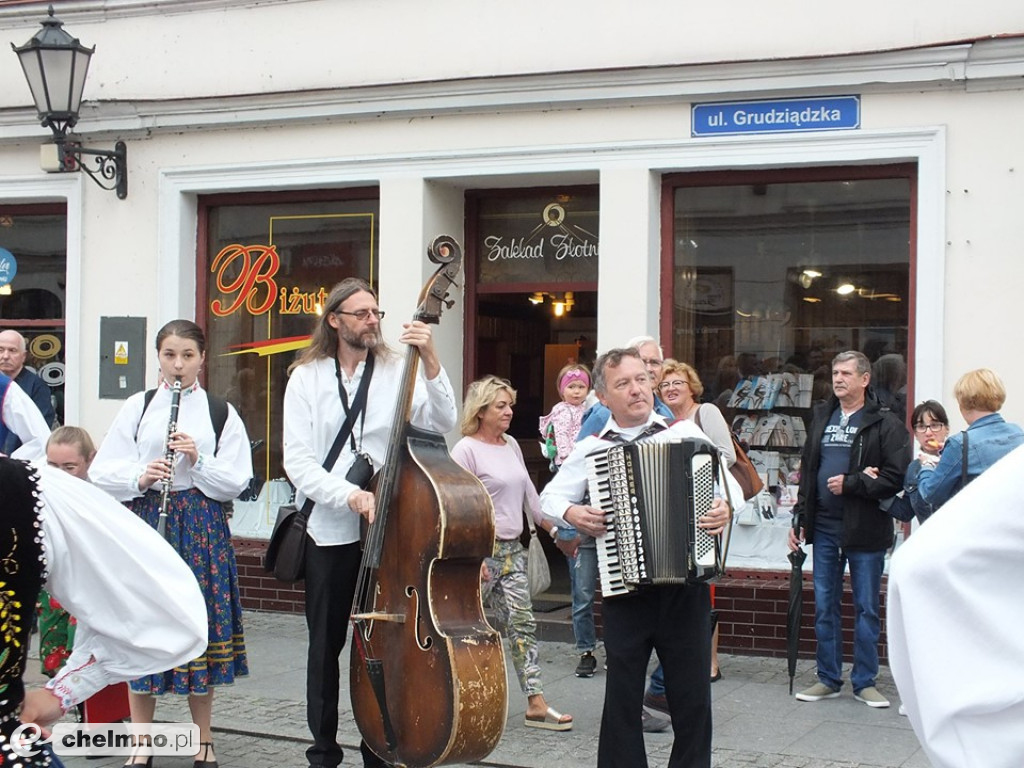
(55, 65)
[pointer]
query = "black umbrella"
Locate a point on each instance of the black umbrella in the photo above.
(796, 607)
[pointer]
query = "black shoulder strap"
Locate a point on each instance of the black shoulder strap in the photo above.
(150, 394)
(218, 414)
(218, 417)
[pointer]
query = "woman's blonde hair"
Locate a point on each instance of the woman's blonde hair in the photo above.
(980, 390)
(480, 395)
(688, 372)
(75, 436)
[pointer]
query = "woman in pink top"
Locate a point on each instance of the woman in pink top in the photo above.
(496, 459)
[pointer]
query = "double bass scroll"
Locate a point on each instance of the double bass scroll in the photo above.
(427, 670)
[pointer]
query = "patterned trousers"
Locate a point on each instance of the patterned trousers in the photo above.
(507, 592)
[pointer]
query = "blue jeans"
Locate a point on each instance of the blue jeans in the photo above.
(830, 561)
(583, 578)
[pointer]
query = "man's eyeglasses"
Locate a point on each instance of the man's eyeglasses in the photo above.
(935, 426)
(674, 384)
(361, 314)
(653, 361)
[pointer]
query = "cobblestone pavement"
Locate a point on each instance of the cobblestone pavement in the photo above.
(260, 721)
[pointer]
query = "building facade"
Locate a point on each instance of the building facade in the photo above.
(758, 191)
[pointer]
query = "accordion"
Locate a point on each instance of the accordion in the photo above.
(652, 495)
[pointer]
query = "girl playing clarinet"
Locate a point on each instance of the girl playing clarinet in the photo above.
(205, 471)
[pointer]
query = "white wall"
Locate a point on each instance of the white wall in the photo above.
(136, 257)
(192, 49)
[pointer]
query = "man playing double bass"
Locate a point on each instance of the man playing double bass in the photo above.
(323, 386)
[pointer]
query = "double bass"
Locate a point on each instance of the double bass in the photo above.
(427, 670)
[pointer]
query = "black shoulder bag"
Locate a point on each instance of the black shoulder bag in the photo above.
(286, 553)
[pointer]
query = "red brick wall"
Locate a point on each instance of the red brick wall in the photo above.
(751, 605)
(752, 608)
(260, 590)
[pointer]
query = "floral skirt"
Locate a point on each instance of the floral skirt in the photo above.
(198, 530)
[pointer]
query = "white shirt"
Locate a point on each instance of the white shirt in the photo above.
(138, 606)
(313, 414)
(122, 457)
(956, 623)
(569, 485)
(22, 417)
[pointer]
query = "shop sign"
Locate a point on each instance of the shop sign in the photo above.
(780, 115)
(551, 244)
(8, 266)
(245, 274)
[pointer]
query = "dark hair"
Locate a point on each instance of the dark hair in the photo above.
(933, 407)
(184, 329)
(611, 359)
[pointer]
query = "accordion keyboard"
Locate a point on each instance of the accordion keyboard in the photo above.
(652, 495)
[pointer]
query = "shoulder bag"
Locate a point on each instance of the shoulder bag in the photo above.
(537, 571)
(743, 471)
(286, 553)
(538, 574)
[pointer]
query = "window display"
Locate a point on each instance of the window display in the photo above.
(773, 273)
(269, 263)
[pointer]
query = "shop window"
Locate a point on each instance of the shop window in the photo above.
(266, 265)
(33, 277)
(772, 274)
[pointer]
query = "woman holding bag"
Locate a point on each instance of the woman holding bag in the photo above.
(486, 452)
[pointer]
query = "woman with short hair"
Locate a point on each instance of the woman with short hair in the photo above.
(988, 437)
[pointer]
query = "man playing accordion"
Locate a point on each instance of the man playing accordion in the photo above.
(672, 618)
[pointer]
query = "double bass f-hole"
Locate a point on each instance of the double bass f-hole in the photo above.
(424, 641)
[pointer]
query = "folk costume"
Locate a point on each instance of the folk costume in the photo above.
(56, 529)
(197, 525)
(954, 596)
(20, 417)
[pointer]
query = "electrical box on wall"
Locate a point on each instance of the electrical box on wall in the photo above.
(122, 356)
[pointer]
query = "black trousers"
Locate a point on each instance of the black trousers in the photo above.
(674, 620)
(331, 574)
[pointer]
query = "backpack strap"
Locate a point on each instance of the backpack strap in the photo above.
(146, 400)
(218, 414)
(218, 417)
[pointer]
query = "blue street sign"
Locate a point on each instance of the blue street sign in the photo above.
(834, 113)
(8, 266)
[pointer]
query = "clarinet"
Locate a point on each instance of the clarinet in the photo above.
(172, 427)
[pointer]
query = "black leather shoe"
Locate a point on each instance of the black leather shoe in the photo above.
(204, 752)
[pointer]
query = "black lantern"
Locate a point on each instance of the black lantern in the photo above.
(55, 65)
